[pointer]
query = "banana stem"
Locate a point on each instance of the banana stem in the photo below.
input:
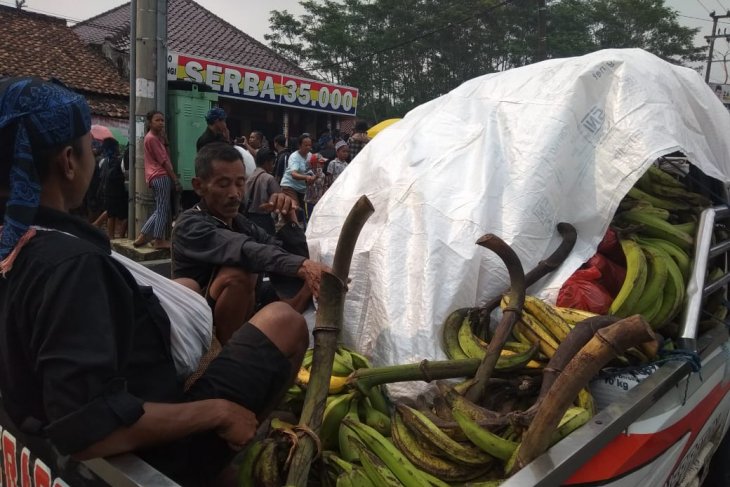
(509, 316)
(605, 345)
(425, 370)
(351, 228)
(568, 348)
(542, 269)
(326, 333)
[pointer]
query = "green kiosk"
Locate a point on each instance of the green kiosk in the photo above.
(187, 109)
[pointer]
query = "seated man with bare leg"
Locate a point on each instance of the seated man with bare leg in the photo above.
(219, 251)
(85, 352)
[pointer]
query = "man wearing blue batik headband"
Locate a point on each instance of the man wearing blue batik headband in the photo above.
(85, 358)
(216, 131)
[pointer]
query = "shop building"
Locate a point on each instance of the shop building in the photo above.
(258, 88)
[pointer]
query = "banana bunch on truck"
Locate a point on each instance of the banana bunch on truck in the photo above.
(643, 264)
(522, 384)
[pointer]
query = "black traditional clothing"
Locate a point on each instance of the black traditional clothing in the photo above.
(201, 243)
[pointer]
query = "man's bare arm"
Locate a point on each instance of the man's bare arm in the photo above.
(161, 423)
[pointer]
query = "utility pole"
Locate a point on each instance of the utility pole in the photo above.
(161, 49)
(145, 90)
(132, 211)
(541, 35)
(711, 40)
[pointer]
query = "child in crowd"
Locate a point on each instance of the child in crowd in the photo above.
(339, 163)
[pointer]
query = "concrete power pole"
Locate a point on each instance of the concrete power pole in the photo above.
(541, 35)
(132, 211)
(711, 40)
(161, 50)
(145, 91)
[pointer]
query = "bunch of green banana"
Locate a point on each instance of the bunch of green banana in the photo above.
(660, 207)
(653, 225)
(404, 459)
(633, 285)
(334, 436)
(661, 184)
(397, 463)
(345, 362)
(488, 446)
(540, 324)
(460, 342)
(655, 284)
(659, 225)
(263, 463)
(503, 447)
(373, 408)
(427, 457)
(573, 316)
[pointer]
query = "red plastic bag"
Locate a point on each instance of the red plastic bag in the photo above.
(611, 248)
(583, 291)
(612, 274)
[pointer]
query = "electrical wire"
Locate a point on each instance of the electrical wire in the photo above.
(721, 6)
(703, 6)
(700, 18)
(409, 41)
(695, 18)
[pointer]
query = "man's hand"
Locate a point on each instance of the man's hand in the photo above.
(282, 204)
(238, 425)
(311, 272)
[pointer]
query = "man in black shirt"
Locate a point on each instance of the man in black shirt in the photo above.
(221, 250)
(85, 355)
(282, 156)
(217, 130)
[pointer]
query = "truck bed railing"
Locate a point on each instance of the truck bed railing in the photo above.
(128, 470)
(696, 289)
(562, 460)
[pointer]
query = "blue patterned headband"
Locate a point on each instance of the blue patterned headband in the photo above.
(215, 114)
(43, 115)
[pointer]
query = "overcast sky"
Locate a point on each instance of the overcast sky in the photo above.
(252, 16)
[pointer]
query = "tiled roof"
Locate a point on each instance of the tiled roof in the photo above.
(108, 106)
(193, 30)
(32, 44)
(104, 26)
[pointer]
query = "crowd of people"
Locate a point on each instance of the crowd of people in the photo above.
(302, 168)
(86, 356)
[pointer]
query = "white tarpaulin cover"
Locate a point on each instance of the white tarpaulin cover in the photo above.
(513, 154)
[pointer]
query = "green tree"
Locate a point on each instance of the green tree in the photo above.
(401, 53)
(589, 25)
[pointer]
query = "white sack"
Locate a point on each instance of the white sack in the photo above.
(513, 154)
(191, 319)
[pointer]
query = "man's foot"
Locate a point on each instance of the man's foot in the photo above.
(141, 240)
(161, 244)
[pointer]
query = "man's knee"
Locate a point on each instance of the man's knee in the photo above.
(284, 326)
(232, 277)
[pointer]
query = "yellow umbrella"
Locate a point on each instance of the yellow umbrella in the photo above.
(375, 129)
